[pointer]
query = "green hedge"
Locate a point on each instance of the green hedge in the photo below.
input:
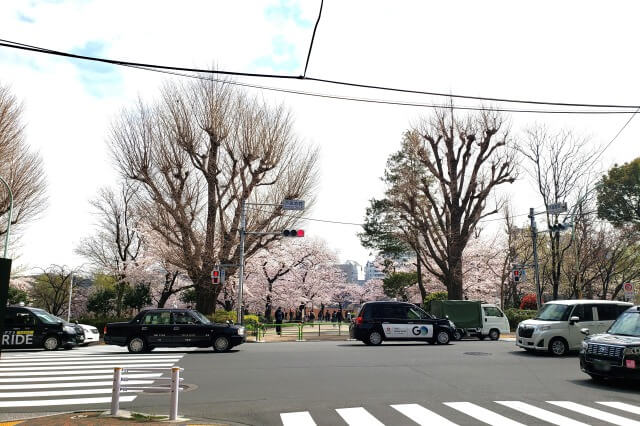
(223, 316)
(515, 316)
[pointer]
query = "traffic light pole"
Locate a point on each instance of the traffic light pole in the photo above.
(534, 237)
(5, 267)
(243, 231)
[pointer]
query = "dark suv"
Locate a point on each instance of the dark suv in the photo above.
(378, 321)
(616, 353)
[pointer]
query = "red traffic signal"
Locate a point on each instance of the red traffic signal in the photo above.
(293, 233)
(215, 276)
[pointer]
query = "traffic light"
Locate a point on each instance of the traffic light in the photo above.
(516, 276)
(293, 233)
(215, 275)
(559, 227)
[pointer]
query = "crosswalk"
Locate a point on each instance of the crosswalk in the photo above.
(517, 413)
(82, 376)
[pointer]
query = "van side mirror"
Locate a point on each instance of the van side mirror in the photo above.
(584, 331)
(574, 320)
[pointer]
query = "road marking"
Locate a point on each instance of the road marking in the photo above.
(545, 415)
(106, 369)
(71, 385)
(421, 415)
(60, 393)
(622, 406)
(86, 362)
(85, 368)
(69, 378)
(300, 418)
(482, 414)
(358, 416)
(598, 414)
(70, 401)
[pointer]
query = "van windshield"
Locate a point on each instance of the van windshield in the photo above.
(627, 324)
(46, 317)
(554, 312)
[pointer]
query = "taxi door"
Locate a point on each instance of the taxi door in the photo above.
(156, 327)
(420, 325)
(20, 329)
(395, 322)
(190, 332)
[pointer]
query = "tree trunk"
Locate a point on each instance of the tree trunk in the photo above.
(206, 295)
(423, 291)
(454, 286)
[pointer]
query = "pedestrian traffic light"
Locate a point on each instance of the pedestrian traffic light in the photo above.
(293, 233)
(516, 275)
(215, 275)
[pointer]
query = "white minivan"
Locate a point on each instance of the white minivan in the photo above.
(557, 326)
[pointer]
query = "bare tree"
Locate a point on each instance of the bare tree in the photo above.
(19, 166)
(198, 153)
(466, 159)
(51, 289)
(559, 164)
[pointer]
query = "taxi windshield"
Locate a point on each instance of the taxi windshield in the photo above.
(46, 317)
(554, 312)
(201, 317)
(627, 324)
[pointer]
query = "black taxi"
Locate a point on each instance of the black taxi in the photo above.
(379, 321)
(616, 353)
(169, 328)
(27, 327)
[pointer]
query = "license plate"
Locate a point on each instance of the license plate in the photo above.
(602, 366)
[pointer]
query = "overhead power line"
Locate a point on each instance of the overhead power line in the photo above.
(313, 36)
(21, 46)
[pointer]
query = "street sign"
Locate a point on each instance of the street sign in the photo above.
(628, 291)
(293, 204)
(557, 208)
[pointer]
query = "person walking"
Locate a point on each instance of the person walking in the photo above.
(339, 316)
(279, 317)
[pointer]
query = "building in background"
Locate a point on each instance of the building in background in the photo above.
(352, 269)
(372, 273)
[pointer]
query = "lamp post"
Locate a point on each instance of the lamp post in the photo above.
(5, 267)
(6, 237)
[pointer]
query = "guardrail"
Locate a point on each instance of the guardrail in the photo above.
(300, 329)
(173, 387)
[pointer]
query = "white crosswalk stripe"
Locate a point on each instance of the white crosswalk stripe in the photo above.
(77, 377)
(518, 413)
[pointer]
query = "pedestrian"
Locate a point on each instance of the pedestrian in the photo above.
(311, 316)
(334, 316)
(327, 316)
(339, 316)
(279, 318)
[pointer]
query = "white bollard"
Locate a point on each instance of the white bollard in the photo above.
(175, 389)
(115, 394)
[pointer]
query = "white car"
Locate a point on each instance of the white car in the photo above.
(557, 326)
(91, 334)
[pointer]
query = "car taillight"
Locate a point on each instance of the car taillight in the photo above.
(359, 321)
(105, 330)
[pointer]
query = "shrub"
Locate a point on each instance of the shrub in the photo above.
(251, 320)
(223, 316)
(529, 301)
(515, 316)
(436, 295)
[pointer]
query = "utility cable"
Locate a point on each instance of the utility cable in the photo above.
(21, 46)
(313, 36)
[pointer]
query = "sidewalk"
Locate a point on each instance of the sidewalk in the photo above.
(90, 418)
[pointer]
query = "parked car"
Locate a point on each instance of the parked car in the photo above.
(556, 328)
(91, 334)
(616, 353)
(472, 318)
(171, 328)
(399, 321)
(27, 327)
(80, 335)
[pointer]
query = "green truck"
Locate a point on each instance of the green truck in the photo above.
(471, 318)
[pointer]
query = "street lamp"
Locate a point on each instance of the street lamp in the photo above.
(5, 267)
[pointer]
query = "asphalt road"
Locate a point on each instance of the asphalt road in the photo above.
(256, 383)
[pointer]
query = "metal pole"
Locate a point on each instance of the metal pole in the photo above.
(70, 291)
(534, 237)
(115, 393)
(243, 231)
(6, 237)
(175, 390)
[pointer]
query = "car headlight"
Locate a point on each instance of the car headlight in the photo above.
(240, 331)
(584, 345)
(452, 325)
(635, 350)
(69, 329)
(544, 328)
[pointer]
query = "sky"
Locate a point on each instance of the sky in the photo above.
(570, 51)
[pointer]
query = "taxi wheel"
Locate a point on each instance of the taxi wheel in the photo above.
(51, 343)
(137, 345)
(443, 338)
(558, 347)
(374, 338)
(494, 334)
(457, 335)
(221, 344)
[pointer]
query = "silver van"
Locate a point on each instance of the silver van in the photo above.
(557, 326)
